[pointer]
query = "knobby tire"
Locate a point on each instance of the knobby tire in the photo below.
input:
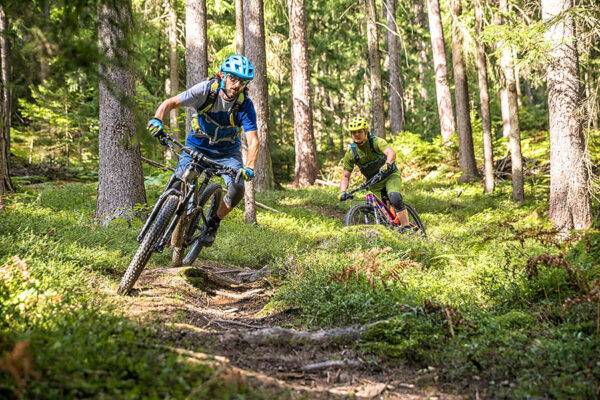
(357, 210)
(416, 219)
(367, 210)
(146, 248)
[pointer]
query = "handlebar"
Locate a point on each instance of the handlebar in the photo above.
(200, 158)
(375, 179)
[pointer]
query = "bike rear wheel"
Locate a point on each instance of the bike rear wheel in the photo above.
(209, 203)
(146, 248)
(415, 220)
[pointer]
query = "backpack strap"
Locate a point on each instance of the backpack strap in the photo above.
(233, 113)
(215, 86)
(211, 98)
(371, 144)
(355, 154)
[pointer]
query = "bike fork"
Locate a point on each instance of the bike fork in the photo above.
(183, 205)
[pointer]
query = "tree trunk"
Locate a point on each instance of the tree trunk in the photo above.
(528, 91)
(510, 112)
(5, 110)
(378, 125)
(591, 87)
(442, 89)
(484, 97)
(422, 46)
(307, 166)
(396, 110)
(249, 200)
(239, 26)
(173, 70)
(120, 179)
(196, 58)
(254, 44)
(570, 206)
(466, 153)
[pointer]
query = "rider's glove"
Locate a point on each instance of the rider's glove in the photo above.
(156, 128)
(247, 173)
(386, 169)
(344, 196)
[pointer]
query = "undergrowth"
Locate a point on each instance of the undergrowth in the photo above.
(493, 298)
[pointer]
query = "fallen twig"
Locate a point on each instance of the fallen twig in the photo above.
(326, 183)
(155, 164)
(261, 205)
(332, 363)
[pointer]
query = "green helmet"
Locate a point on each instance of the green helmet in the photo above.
(357, 124)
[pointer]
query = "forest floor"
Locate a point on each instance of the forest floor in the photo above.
(215, 307)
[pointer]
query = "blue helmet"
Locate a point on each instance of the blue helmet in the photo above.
(238, 65)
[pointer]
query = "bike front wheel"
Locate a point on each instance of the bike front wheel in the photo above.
(146, 248)
(361, 214)
(208, 204)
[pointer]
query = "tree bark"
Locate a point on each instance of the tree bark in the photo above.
(466, 153)
(306, 166)
(484, 98)
(442, 89)
(5, 110)
(396, 110)
(249, 198)
(196, 48)
(120, 179)
(422, 46)
(570, 206)
(254, 44)
(378, 124)
(173, 70)
(510, 112)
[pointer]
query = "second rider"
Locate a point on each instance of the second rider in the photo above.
(373, 155)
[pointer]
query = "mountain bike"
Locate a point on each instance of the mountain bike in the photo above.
(380, 212)
(180, 213)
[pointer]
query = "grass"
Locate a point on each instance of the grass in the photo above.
(464, 306)
(60, 329)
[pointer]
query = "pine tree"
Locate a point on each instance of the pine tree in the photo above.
(120, 179)
(254, 45)
(570, 205)
(442, 89)
(306, 166)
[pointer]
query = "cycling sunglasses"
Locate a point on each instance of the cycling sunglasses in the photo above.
(235, 78)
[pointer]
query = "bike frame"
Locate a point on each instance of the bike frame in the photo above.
(384, 210)
(188, 196)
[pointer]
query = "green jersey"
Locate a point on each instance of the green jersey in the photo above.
(370, 156)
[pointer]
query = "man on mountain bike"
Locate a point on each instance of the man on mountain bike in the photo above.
(222, 107)
(373, 156)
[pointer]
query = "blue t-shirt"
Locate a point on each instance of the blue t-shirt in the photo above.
(219, 113)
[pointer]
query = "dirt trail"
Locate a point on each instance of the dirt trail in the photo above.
(207, 310)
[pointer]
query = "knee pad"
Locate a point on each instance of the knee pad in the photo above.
(235, 193)
(396, 201)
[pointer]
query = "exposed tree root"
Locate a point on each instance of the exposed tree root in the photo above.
(277, 334)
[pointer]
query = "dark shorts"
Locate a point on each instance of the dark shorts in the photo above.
(235, 191)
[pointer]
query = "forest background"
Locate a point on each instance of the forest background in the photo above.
(52, 130)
